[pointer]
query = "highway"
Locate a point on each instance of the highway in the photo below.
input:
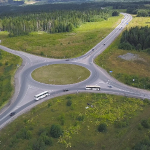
(25, 87)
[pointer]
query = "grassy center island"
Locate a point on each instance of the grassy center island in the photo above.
(60, 74)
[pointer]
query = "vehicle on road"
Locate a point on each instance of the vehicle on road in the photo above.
(92, 87)
(109, 86)
(67, 59)
(12, 113)
(41, 95)
(65, 90)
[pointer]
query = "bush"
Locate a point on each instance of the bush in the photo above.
(121, 124)
(140, 127)
(143, 145)
(146, 101)
(126, 46)
(47, 140)
(38, 144)
(42, 53)
(61, 118)
(102, 127)
(80, 118)
(42, 130)
(55, 131)
(115, 13)
(69, 102)
(24, 134)
(6, 63)
(145, 123)
(49, 104)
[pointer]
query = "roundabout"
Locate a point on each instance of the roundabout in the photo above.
(82, 70)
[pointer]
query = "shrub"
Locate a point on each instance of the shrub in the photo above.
(55, 131)
(140, 127)
(102, 127)
(42, 53)
(38, 144)
(146, 101)
(47, 140)
(24, 134)
(41, 130)
(49, 104)
(115, 13)
(61, 118)
(69, 102)
(6, 63)
(80, 118)
(145, 123)
(121, 124)
(126, 46)
(13, 141)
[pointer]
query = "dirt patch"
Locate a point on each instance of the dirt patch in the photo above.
(130, 56)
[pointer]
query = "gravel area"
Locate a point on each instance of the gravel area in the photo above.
(130, 56)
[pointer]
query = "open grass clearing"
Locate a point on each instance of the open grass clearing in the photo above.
(9, 64)
(109, 59)
(80, 124)
(60, 74)
(62, 45)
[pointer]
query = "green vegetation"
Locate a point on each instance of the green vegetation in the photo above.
(24, 24)
(55, 131)
(143, 13)
(127, 70)
(115, 13)
(82, 128)
(62, 45)
(60, 74)
(8, 66)
(102, 127)
(136, 38)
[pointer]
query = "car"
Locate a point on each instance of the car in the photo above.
(65, 90)
(109, 86)
(67, 59)
(104, 43)
(12, 113)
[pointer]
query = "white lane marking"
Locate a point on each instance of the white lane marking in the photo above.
(102, 82)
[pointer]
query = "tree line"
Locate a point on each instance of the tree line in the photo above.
(51, 22)
(137, 38)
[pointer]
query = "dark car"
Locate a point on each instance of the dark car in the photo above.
(67, 59)
(12, 113)
(65, 90)
(109, 86)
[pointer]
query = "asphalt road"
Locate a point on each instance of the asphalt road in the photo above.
(26, 87)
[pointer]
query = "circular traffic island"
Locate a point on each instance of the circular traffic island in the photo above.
(60, 74)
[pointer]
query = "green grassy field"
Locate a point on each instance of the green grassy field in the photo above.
(62, 45)
(122, 116)
(8, 67)
(123, 70)
(60, 74)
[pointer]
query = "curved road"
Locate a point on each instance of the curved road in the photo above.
(23, 99)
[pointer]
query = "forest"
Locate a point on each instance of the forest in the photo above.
(56, 18)
(136, 38)
(51, 22)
